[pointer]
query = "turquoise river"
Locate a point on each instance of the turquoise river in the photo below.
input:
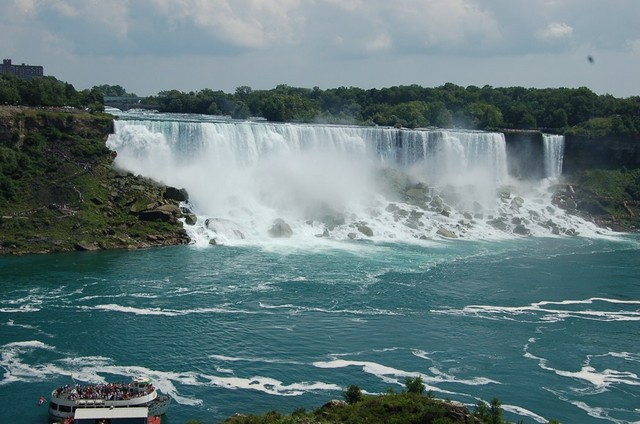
(367, 289)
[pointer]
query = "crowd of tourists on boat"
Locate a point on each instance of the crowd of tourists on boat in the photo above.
(110, 391)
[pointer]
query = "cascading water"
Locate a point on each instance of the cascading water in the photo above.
(255, 181)
(553, 155)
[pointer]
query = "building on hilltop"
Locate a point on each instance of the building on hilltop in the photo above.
(21, 71)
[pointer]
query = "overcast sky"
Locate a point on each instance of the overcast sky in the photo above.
(151, 45)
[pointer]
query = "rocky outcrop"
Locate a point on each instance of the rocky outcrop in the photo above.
(69, 197)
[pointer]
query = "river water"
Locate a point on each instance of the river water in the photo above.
(547, 323)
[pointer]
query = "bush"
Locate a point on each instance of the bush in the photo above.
(353, 394)
(415, 385)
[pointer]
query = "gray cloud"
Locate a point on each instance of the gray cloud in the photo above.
(306, 41)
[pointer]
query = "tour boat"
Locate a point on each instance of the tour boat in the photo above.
(66, 400)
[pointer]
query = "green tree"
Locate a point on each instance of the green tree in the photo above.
(353, 394)
(415, 385)
(495, 411)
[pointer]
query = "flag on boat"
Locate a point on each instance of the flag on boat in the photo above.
(41, 401)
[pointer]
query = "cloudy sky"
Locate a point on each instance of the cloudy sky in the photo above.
(151, 45)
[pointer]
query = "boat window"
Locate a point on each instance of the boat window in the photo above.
(65, 408)
(53, 405)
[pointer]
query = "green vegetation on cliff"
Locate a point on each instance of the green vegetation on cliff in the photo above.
(610, 197)
(59, 191)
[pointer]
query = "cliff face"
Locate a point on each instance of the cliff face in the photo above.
(583, 153)
(525, 155)
(601, 175)
(59, 191)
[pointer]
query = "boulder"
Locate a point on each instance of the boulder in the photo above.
(416, 194)
(498, 224)
(190, 219)
(280, 229)
(365, 230)
(333, 404)
(178, 194)
(521, 230)
(446, 233)
(173, 209)
(156, 215)
(86, 247)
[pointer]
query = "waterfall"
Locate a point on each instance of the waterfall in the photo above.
(337, 182)
(553, 155)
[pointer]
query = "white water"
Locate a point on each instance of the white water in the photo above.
(330, 182)
(553, 154)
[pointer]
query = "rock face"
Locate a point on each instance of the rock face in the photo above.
(525, 154)
(581, 153)
(71, 198)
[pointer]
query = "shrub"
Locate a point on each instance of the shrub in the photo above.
(415, 385)
(353, 394)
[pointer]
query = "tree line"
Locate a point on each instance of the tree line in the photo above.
(48, 92)
(560, 110)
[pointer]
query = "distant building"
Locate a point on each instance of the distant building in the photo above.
(21, 71)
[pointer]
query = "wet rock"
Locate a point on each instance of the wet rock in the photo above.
(416, 194)
(498, 224)
(521, 230)
(86, 247)
(177, 194)
(280, 229)
(365, 230)
(392, 207)
(352, 236)
(516, 203)
(190, 219)
(436, 203)
(446, 233)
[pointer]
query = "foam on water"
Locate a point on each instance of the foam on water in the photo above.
(393, 375)
(540, 312)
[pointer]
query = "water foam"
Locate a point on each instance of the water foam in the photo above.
(540, 312)
(343, 183)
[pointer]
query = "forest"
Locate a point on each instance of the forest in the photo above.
(47, 92)
(577, 111)
(558, 110)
